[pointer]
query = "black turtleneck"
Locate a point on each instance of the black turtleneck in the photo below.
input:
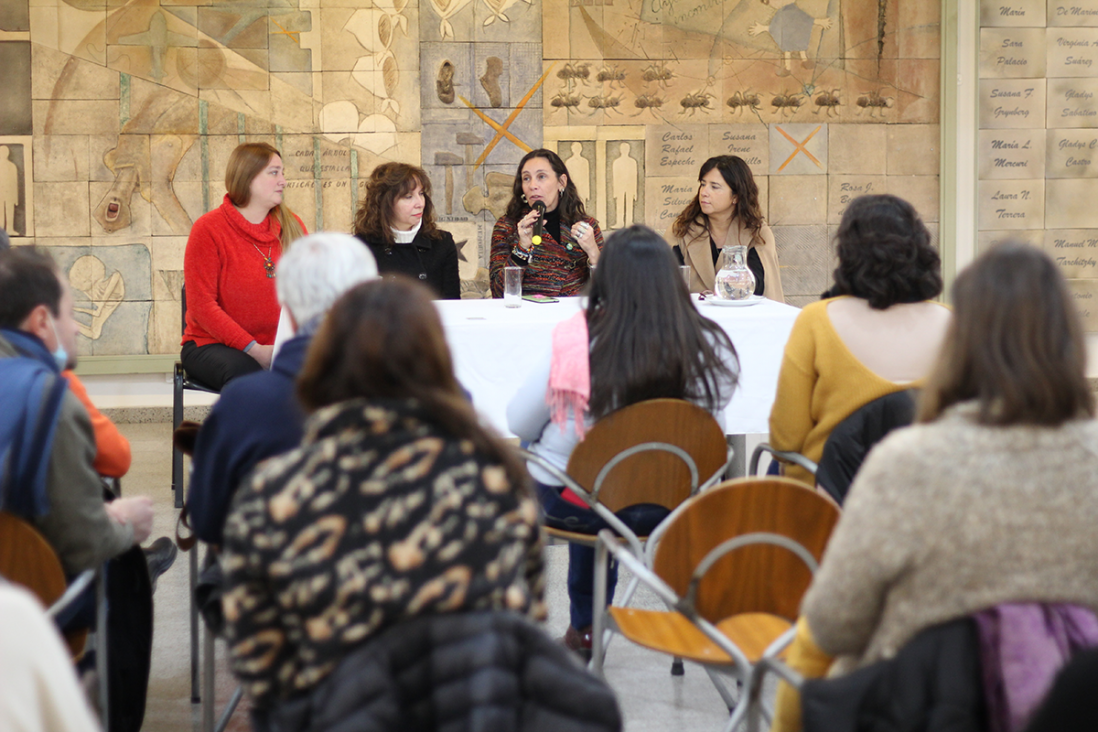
(552, 223)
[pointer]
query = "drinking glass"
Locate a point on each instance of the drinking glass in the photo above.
(512, 287)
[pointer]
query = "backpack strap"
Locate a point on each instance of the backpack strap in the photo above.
(32, 395)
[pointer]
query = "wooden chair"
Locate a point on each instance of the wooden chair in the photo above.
(732, 565)
(660, 451)
(27, 559)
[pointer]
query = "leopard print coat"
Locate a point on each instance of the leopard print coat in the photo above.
(378, 516)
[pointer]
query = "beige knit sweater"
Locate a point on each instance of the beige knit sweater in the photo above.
(951, 517)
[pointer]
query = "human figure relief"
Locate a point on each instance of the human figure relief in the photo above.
(88, 275)
(9, 190)
(581, 173)
(624, 170)
(791, 28)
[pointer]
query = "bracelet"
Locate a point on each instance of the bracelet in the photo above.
(520, 255)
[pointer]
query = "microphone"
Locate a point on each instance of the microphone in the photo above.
(539, 225)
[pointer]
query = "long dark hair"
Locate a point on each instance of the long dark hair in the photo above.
(885, 256)
(383, 340)
(739, 179)
(647, 338)
(387, 183)
(1015, 345)
(570, 206)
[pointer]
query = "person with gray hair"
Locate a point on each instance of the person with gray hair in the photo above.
(258, 415)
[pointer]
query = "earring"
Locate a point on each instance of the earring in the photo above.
(524, 198)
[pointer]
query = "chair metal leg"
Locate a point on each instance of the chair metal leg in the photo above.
(177, 419)
(194, 625)
(738, 467)
(677, 669)
(226, 715)
(598, 649)
(209, 668)
(718, 681)
(101, 647)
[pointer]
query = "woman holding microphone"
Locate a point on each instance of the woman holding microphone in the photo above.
(559, 253)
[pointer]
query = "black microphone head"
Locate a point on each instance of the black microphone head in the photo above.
(539, 206)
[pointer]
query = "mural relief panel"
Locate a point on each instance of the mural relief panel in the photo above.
(135, 105)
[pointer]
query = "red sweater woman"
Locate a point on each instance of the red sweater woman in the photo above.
(229, 269)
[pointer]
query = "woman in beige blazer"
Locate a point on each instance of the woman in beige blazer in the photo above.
(726, 211)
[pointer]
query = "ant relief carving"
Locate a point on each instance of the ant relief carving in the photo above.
(659, 73)
(828, 100)
(874, 102)
(744, 100)
(571, 73)
(607, 102)
(787, 103)
(647, 101)
(695, 101)
(613, 74)
(565, 100)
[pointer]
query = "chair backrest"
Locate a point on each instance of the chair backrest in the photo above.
(649, 475)
(27, 559)
(757, 577)
(853, 438)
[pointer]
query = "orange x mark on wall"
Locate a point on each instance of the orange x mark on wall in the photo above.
(799, 147)
(502, 130)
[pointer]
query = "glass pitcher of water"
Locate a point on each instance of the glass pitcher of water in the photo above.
(734, 281)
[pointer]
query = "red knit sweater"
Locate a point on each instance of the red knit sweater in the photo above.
(230, 299)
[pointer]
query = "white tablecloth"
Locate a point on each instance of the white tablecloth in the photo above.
(494, 347)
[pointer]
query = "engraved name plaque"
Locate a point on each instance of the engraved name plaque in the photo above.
(1012, 103)
(1012, 53)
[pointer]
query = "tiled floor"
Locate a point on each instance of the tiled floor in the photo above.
(650, 698)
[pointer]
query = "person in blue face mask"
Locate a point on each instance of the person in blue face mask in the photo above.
(60, 491)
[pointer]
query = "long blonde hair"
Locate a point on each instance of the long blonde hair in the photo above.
(245, 163)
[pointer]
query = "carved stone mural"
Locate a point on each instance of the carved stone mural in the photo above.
(119, 118)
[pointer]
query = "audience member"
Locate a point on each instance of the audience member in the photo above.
(397, 504)
(38, 687)
(229, 269)
(992, 497)
(396, 220)
(639, 338)
(570, 239)
(726, 211)
(259, 415)
(112, 449)
(37, 328)
(880, 335)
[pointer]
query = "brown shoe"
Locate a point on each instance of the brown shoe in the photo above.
(578, 641)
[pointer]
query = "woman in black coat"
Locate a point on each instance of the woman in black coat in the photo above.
(397, 221)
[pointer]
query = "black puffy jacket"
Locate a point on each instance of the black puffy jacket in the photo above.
(464, 672)
(933, 684)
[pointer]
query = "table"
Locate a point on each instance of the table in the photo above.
(494, 347)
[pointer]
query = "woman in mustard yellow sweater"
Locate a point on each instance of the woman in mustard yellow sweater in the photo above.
(880, 335)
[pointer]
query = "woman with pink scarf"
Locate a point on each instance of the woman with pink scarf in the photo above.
(640, 337)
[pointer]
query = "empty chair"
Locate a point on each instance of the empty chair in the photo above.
(732, 564)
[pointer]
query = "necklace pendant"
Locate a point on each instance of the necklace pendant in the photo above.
(568, 246)
(269, 267)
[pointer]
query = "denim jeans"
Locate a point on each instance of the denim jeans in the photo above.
(560, 514)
